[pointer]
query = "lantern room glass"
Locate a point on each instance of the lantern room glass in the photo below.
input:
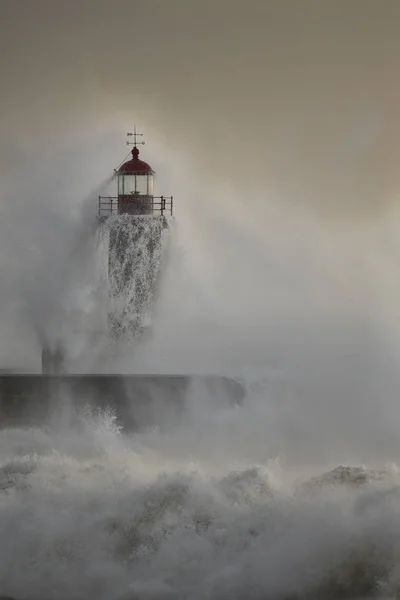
(136, 184)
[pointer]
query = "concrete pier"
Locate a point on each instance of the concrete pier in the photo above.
(138, 401)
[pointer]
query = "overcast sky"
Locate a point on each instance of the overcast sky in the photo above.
(302, 95)
(274, 123)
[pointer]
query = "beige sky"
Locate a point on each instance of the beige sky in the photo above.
(299, 96)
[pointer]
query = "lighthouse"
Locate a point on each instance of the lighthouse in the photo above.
(135, 185)
(135, 225)
(136, 222)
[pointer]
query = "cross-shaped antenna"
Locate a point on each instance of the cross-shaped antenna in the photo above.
(135, 136)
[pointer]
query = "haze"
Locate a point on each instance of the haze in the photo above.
(274, 124)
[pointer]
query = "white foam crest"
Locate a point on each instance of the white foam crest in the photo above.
(90, 512)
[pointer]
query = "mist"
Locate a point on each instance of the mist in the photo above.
(275, 127)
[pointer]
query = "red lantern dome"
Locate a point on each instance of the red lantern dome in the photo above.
(135, 166)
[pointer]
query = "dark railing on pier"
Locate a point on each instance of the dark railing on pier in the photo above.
(161, 205)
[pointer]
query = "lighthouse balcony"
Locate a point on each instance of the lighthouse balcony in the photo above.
(135, 205)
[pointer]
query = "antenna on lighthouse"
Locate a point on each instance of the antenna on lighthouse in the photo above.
(135, 136)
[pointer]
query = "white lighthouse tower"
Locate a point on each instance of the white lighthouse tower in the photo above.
(134, 224)
(136, 221)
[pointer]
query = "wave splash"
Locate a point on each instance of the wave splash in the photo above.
(91, 513)
(137, 249)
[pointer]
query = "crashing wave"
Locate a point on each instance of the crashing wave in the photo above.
(346, 475)
(97, 515)
(136, 253)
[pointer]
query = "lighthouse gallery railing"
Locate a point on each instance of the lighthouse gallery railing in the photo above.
(162, 205)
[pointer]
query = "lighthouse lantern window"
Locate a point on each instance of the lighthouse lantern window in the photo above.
(136, 184)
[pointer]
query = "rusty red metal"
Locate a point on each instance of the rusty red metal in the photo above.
(135, 205)
(135, 166)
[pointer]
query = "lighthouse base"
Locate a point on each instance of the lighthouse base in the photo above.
(136, 401)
